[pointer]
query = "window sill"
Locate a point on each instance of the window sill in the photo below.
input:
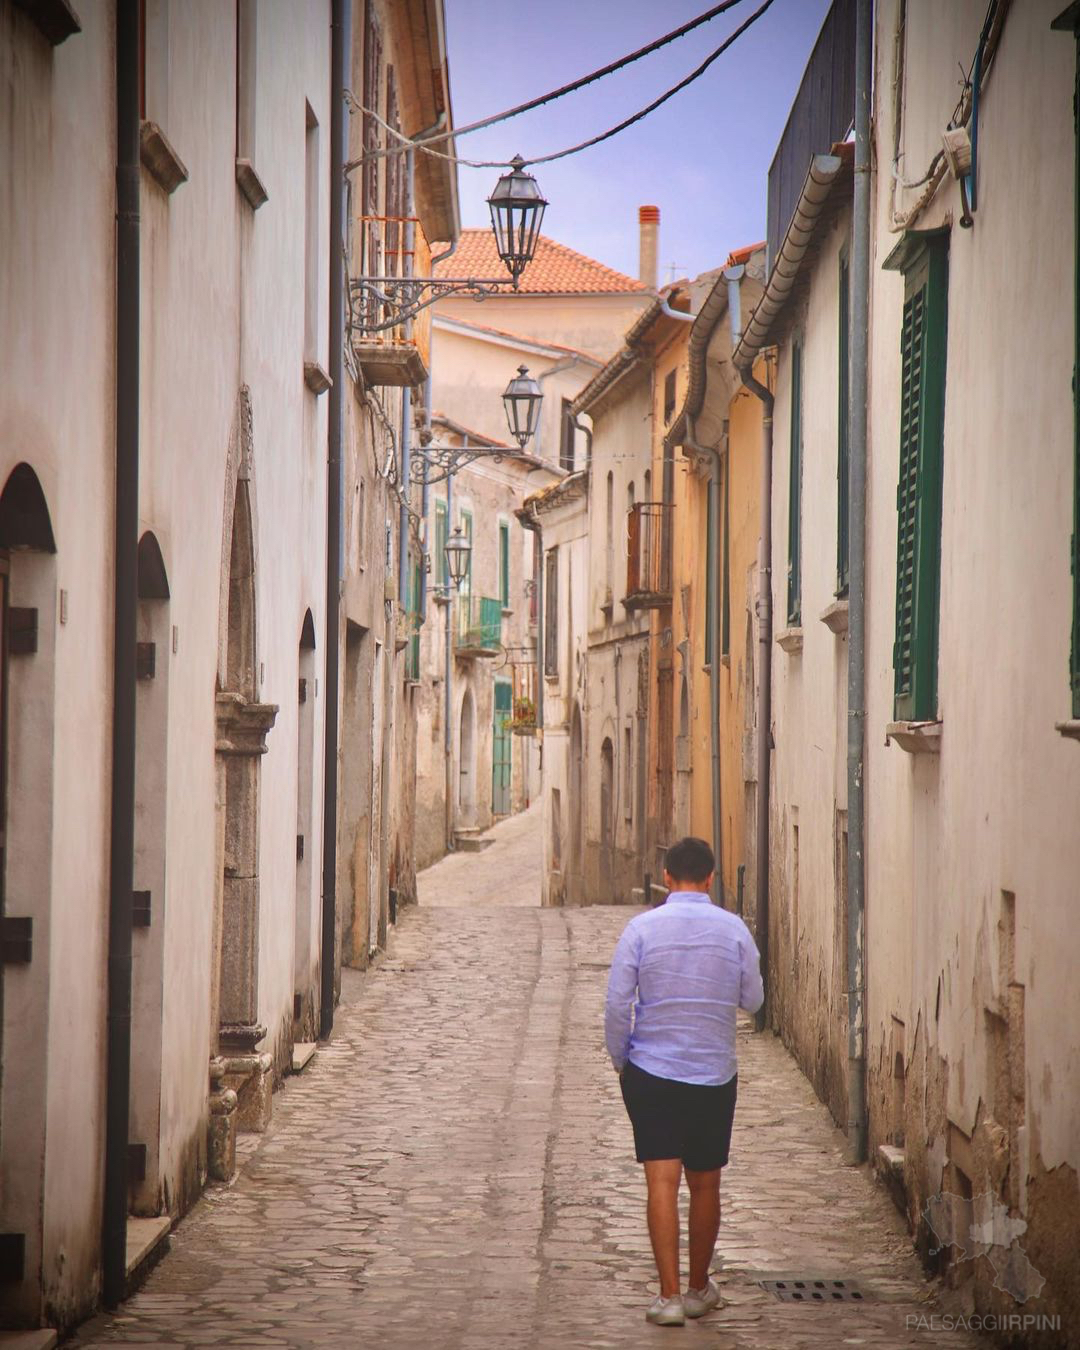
(790, 639)
(1069, 729)
(551, 679)
(835, 617)
(506, 613)
(916, 738)
(316, 378)
(250, 184)
(166, 167)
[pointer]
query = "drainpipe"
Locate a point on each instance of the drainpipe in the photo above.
(406, 406)
(122, 829)
(734, 275)
(714, 666)
(857, 439)
(448, 698)
(339, 24)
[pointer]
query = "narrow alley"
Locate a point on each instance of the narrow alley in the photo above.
(455, 1170)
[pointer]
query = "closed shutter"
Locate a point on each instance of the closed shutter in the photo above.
(918, 494)
(440, 543)
(794, 576)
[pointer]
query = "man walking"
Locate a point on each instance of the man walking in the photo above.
(678, 976)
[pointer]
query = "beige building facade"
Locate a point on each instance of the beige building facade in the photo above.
(228, 944)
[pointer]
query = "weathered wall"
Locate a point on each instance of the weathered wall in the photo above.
(589, 323)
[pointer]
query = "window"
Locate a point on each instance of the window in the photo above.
(567, 438)
(794, 572)
(311, 237)
(669, 396)
(412, 659)
(246, 29)
(843, 427)
(504, 564)
(918, 497)
(551, 613)
(628, 773)
(440, 543)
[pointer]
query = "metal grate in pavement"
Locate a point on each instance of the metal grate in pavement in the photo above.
(809, 1289)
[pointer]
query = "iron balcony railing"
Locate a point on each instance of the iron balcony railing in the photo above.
(479, 630)
(648, 555)
(394, 250)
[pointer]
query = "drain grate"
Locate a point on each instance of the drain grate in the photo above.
(808, 1289)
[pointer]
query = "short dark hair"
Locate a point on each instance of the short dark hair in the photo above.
(690, 859)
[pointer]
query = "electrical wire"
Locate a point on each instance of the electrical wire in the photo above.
(425, 146)
(585, 79)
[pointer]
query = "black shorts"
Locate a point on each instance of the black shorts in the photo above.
(689, 1121)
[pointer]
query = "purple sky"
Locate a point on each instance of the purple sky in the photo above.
(703, 157)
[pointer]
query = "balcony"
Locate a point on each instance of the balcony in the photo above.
(648, 556)
(393, 248)
(479, 631)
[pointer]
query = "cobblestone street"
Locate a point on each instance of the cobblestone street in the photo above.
(454, 1171)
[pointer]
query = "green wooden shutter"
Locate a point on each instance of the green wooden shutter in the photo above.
(843, 443)
(440, 543)
(725, 594)
(710, 567)
(504, 564)
(465, 589)
(918, 495)
(794, 575)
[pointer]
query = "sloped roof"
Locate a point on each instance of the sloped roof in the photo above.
(554, 270)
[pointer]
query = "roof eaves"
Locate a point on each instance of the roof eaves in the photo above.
(822, 174)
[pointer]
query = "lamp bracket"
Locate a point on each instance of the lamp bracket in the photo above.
(401, 298)
(435, 463)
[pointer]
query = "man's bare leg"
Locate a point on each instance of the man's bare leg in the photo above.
(704, 1223)
(662, 1178)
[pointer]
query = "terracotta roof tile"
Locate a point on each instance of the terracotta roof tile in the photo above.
(555, 270)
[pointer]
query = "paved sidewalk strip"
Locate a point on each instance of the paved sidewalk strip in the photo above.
(455, 1172)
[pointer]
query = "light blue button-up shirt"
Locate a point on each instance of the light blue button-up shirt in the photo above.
(678, 977)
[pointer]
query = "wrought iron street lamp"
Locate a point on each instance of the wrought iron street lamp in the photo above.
(378, 304)
(522, 399)
(457, 550)
(517, 208)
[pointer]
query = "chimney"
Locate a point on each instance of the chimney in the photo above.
(649, 226)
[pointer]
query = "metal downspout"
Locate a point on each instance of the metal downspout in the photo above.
(339, 24)
(858, 327)
(716, 618)
(122, 828)
(406, 406)
(448, 698)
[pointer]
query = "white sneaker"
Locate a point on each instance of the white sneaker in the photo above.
(697, 1302)
(667, 1312)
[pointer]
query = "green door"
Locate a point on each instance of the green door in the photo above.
(501, 750)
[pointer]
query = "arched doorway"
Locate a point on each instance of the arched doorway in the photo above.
(150, 872)
(577, 808)
(467, 760)
(242, 726)
(607, 816)
(27, 754)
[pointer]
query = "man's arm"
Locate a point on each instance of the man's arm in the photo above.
(751, 989)
(619, 1006)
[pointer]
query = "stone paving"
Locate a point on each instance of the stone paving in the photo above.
(454, 1171)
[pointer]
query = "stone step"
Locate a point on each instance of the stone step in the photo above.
(147, 1243)
(302, 1054)
(471, 841)
(42, 1339)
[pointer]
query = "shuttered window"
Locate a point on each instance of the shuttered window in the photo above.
(504, 565)
(440, 543)
(918, 495)
(551, 613)
(794, 572)
(843, 425)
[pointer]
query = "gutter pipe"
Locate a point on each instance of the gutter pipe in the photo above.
(406, 408)
(425, 492)
(126, 524)
(448, 697)
(858, 327)
(339, 23)
(716, 617)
